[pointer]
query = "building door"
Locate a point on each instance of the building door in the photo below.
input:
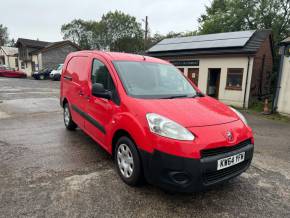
(2, 60)
(213, 83)
(193, 74)
(33, 66)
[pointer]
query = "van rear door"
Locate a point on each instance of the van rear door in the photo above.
(75, 82)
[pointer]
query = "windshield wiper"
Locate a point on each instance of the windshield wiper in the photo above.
(198, 94)
(174, 96)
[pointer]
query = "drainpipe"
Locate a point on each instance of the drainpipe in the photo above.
(278, 84)
(246, 86)
(38, 67)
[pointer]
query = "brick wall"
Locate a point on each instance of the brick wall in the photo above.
(262, 71)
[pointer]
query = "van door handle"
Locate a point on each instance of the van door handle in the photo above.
(68, 78)
(81, 93)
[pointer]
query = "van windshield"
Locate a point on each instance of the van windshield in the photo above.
(153, 80)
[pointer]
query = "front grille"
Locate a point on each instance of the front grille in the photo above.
(222, 150)
(215, 176)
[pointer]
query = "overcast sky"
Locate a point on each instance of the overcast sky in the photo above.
(42, 19)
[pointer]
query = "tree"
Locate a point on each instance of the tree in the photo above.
(234, 15)
(152, 40)
(122, 32)
(116, 31)
(79, 32)
(11, 42)
(3, 35)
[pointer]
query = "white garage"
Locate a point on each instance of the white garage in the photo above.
(233, 67)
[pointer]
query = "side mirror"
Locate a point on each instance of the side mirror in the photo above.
(98, 90)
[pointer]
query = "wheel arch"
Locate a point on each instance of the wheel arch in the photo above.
(118, 134)
(63, 102)
(128, 125)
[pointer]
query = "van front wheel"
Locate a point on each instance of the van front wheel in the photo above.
(128, 162)
(68, 122)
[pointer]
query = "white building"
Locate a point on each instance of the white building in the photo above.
(283, 94)
(9, 57)
(233, 67)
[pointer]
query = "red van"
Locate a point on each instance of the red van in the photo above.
(154, 121)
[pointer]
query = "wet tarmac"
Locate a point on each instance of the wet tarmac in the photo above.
(46, 171)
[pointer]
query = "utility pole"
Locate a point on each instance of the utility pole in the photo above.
(146, 33)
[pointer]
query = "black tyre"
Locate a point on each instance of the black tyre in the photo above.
(68, 122)
(128, 162)
(56, 77)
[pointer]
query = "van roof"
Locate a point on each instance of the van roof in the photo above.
(113, 56)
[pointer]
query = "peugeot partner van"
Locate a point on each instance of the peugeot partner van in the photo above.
(155, 122)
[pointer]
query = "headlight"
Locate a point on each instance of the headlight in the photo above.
(167, 128)
(241, 116)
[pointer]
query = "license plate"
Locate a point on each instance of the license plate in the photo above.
(230, 161)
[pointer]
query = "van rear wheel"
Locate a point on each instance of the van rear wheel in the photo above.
(68, 122)
(128, 162)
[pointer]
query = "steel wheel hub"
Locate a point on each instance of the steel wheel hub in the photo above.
(125, 160)
(66, 116)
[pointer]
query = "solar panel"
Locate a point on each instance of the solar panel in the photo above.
(219, 40)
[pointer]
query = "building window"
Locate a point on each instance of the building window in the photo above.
(235, 78)
(22, 65)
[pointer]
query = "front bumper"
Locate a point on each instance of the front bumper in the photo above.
(190, 175)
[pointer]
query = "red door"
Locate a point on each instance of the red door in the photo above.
(75, 81)
(100, 110)
(193, 74)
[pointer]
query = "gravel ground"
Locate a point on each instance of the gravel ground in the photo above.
(46, 171)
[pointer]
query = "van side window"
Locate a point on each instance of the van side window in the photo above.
(100, 74)
(77, 68)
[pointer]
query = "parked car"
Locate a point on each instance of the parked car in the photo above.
(3, 67)
(154, 121)
(10, 72)
(42, 74)
(56, 74)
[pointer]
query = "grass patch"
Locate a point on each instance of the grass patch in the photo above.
(257, 109)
